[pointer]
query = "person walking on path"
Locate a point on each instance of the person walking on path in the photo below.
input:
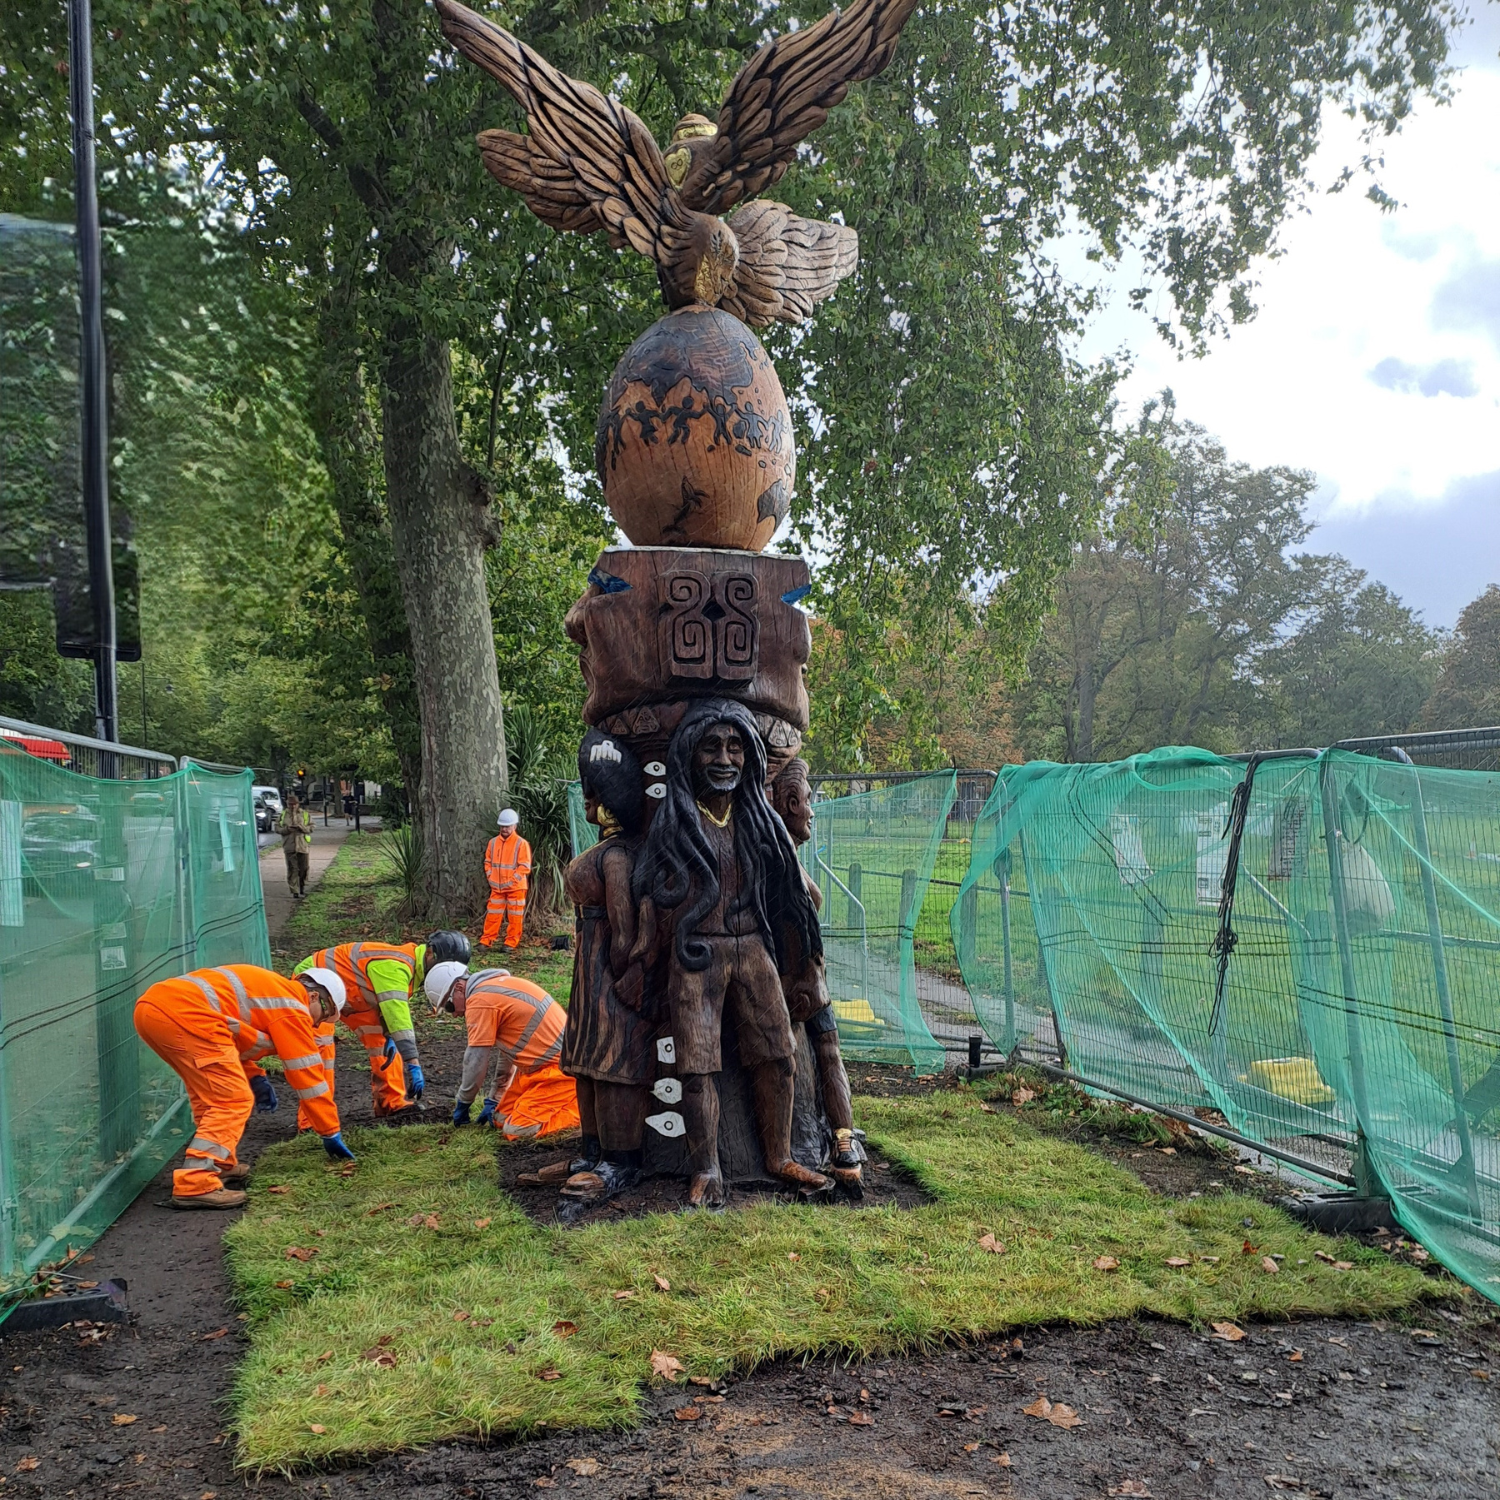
(380, 979)
(507, 867)
(515, 1040)
(295, 829)
(211, 1027)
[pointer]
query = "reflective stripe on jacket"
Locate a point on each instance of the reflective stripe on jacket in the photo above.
(265, 1013)
(507, 862)
(525, 1021)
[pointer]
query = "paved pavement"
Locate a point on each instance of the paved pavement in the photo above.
(326, 842)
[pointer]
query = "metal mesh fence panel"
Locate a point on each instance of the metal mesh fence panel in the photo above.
(105, 887)
(1341, 1008)
(872, 855)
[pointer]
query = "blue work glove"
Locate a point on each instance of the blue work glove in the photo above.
(388, 1051)
(265, 1094)
(461, 1113)
(335, 1147)
(416, 1082)
(487, 1114)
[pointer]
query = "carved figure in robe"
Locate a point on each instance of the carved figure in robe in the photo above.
(608, 1044)
(722, 901)
(805, 984)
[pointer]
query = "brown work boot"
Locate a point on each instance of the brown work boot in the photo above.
(237, 1175)
(219, 1198)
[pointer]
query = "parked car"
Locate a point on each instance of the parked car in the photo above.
(267, 802)
(59, 846)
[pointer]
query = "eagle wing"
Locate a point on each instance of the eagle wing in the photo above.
(588, 163)
(783, 94)
(787, 264)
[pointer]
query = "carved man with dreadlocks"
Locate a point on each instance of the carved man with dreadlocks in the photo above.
(718, 880)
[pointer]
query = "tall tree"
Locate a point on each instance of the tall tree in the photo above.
(1467, 692)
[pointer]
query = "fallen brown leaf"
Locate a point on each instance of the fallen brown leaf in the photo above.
(1023, 1096)
(1106, 1263)
(120, 1419)
(162, 1428)
(1343, 1265)
(460, 1316)
(300, 1252)
(861, 1419)
(622, 1296)
(550, 1373)
(587, 1467)
(971, 1447)
(1176, 1261)
(320, 1390)
(662, 1284)
(1323, 1256)
(317, 1427)
(278, 1189)
(1130, 1487)
(380, 1356)
(282, 1286)
(792, 1255)
(1231, 1333)
(990, 1243)
(1054, 1412)
(379, 1208)
(1167, 1151)
(665, 1366)
(1295, 1357)
(27, 1465)
(430, 1222)
(1268, 1265)
(688, 1413)
(1248, 1249)
(1003, 1459)
(564, 1329)
(482, 1223)
(217, 1333)
(324, 1357)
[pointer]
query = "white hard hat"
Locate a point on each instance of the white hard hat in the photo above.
(441, 978)
(509, 817)
(328, 980)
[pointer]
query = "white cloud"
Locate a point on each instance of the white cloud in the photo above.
(1365, 319)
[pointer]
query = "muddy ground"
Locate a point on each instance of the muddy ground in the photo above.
(1314, 1408)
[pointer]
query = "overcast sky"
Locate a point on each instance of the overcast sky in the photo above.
(1375, 358)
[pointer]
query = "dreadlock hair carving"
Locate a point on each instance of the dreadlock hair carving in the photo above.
(676, 866)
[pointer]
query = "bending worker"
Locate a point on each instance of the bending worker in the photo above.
(515, 1039)
(380, 979)
(507, 867)
(211, 1027)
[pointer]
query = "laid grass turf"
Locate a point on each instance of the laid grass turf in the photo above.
(362, 1348)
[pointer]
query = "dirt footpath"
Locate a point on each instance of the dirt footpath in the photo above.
(1323, 1408)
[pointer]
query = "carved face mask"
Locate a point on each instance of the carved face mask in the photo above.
(793, 800)
(719, 760)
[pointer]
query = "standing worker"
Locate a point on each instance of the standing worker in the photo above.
(380, 979)
(295, 829)
(211, 1027)
(515, 1040)
(507, 867)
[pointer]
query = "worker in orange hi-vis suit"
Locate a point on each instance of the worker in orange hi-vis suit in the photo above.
(212, 1027)
(515, 1040)
(507, 867)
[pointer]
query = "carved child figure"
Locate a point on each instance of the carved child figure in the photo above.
(721, 896)
(807, 990)
(608, 1043)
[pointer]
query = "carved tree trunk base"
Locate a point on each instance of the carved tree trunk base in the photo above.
(740, 1156)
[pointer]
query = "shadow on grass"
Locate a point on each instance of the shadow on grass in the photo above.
(430, 1307)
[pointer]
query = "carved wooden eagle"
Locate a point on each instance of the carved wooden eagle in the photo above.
(590, 164)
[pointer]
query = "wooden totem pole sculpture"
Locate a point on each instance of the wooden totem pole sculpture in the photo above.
(698, 987)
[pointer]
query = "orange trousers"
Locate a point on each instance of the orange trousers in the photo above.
(202, 1053)
(539, 1103)
(508, 909)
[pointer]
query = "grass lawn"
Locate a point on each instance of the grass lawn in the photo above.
(430, 1307)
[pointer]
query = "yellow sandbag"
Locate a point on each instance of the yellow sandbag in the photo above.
(1294, 1078)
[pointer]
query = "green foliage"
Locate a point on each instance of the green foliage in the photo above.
(539, 777)
(1467, 693)
(420, 1233)
(36, 684)
(407, 855)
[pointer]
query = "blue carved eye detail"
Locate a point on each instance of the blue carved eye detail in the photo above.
(794, 596)
(607, 582)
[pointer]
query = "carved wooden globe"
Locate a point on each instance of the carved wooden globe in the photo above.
(694, 441)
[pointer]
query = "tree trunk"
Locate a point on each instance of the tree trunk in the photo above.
(441, 525)
(351, 452)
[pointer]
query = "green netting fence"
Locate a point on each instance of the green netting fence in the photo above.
(872, 855)
(1354, 1021)
(105, 887)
